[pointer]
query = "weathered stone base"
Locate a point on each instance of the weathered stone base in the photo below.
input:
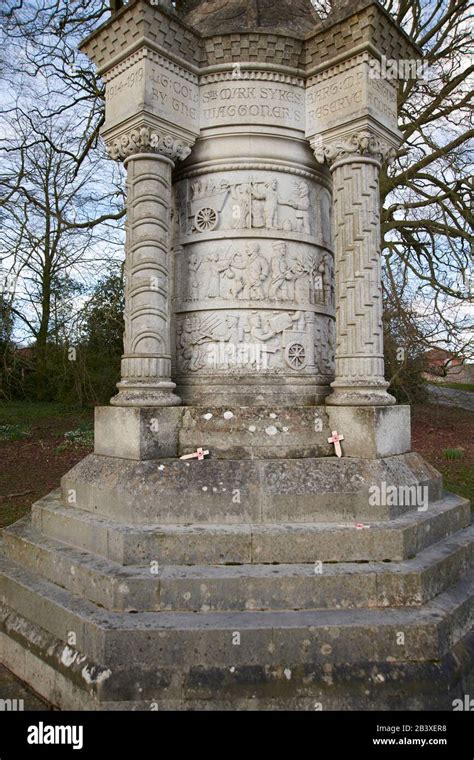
(220, 491)
(372, 432)
(360, 394)
(251, 432)
(244, 543)
(250, 584)
(137, 432)
(314, 660)
(257, 581)
(253, 390)
(228, 432)
(136, 394)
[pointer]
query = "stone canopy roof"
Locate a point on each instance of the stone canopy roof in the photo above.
(214, 32)
(224, 16)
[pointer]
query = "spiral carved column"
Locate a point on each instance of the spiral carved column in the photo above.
(146, 362)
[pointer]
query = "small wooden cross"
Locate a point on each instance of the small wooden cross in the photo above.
(336, 439)
(199, 454)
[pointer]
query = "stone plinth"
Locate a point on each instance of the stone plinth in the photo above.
(372, 432)
(137, 432)
(270, 432)
(221, 491)
(252, 432)
(338, 598)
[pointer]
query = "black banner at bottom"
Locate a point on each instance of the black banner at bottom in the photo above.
(116, 734)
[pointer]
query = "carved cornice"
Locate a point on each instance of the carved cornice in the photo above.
(275, 166)
(147, 54)
(246, 72)
(147, 140)
(124, 65)
(361, 143)
(337, 68)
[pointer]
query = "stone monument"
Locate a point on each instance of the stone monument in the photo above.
(261, 571)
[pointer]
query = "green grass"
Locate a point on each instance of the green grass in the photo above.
(10, 512)
(453, 453)
(62, 447)
(14, 432)
(457, 386)
(461, 483)
(17, 412)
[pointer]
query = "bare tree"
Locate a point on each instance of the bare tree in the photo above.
(61, 198)
(426, 193)
(56, 225)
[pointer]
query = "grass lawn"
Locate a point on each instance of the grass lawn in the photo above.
(437, 431)
(41, 442)
(457, 386)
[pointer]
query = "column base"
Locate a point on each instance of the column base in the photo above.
(359, 395)
(137, 433)
(227, 432)
(372, 432)
(143, 394)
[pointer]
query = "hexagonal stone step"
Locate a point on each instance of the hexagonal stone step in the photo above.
(98, 580)
(178, 640)
(242, 587)
(245, 543)
(230, 491)
(72, 680)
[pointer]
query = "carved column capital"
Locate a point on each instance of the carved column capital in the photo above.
(362, 143)
(146, 139)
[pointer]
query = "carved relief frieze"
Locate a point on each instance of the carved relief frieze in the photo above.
(238, 201)
(279, 342)
(254, 271)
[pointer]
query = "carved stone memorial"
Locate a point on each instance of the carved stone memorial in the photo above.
(253, 135)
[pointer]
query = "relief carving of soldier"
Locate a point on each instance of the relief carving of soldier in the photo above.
(266, 335)
(194, 284)
(270, 196)
(241, 209)
(254, 269)
(302, 205)
(216, 268)
(193, 334)
(282, 285)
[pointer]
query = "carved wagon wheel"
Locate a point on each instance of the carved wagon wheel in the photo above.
(206, 219)
(295, 355)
